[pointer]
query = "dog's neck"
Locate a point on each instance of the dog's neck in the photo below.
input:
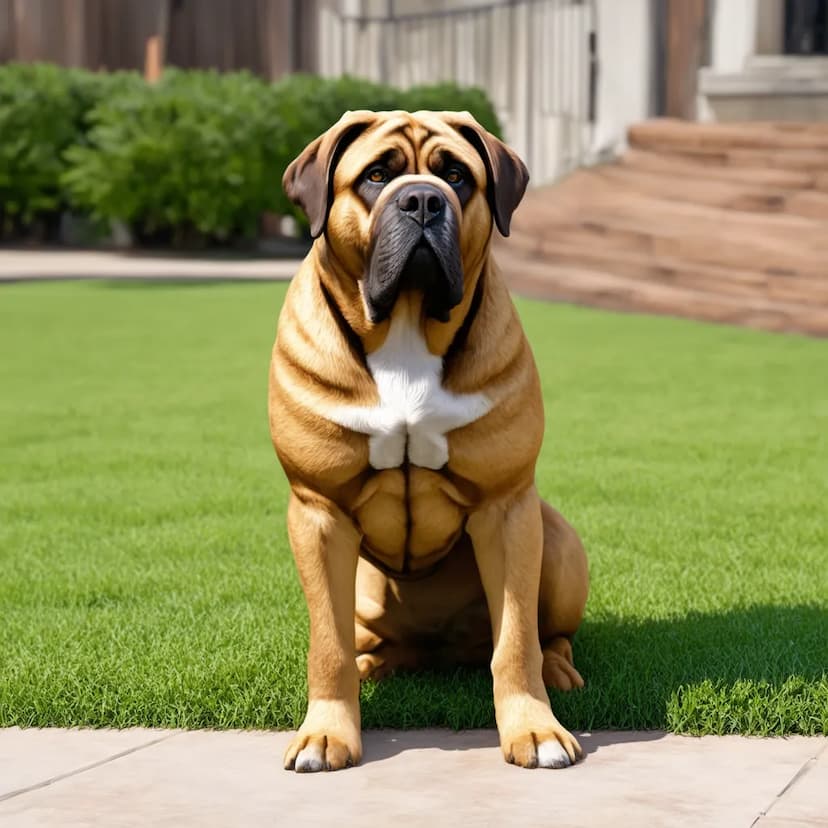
(344, 290)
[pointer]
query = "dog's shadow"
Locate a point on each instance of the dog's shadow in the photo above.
(701, 672)
(383, 744)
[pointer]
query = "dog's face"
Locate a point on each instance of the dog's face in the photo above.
(408, 202)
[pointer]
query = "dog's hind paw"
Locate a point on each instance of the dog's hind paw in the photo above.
(558, 670)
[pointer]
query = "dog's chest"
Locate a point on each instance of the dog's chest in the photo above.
(414, 413)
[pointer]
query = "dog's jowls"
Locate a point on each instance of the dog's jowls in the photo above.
(406, 410)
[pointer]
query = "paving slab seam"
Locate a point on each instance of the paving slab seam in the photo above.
(105, 761)
(806, 767)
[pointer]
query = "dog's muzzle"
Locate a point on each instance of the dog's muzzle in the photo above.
(416, 246)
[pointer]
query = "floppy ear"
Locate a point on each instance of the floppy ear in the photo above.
(308, 180)
(506, 174)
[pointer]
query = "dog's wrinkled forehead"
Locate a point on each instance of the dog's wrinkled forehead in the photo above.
(417, 143)
(337, 157)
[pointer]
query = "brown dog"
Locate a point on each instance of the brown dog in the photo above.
(406, 410)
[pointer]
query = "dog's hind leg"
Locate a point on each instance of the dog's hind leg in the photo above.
(564, 586)
(388, 659)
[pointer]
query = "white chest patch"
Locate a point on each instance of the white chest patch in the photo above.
(415, 412)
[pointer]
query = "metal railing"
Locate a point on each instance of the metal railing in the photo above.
(536, 59)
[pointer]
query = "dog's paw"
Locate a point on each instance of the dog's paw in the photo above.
(558, 670)
(329, 739)
(320, 752)
(386, 449)
(371, 666)
(426, 449)
(549, 748)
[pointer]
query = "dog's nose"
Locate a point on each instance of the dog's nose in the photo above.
(422, 202)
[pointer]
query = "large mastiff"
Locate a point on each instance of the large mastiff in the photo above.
(406, 410)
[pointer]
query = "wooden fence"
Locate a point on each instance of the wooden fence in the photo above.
(268, 37)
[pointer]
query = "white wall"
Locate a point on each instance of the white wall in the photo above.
(625, 66)
(734, 34)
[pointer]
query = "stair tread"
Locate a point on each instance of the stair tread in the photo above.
(682, 167)
(759, 135)
(725, 222)
(610, 291)
(674, 270)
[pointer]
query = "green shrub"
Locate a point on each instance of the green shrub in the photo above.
(195, 156)
(198, 156)
(42, 112)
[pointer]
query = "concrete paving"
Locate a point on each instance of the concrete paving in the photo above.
(205, 778)
(44, 265)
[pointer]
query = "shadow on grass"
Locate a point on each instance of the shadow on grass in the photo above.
(760, 670)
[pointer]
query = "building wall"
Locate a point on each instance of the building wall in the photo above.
(734, 34)
(626, 66)
(749, 77)
(743, 28)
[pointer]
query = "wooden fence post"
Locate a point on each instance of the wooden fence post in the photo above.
(155, 45)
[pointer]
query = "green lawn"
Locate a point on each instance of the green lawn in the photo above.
(145, 572)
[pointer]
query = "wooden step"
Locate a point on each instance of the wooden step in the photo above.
(726, 222)
(712, 192)
(671, 270)
(803, 160)
(809, 204)
(720, 192)
(586, 210)
(613, 292)
(588, 193)
(681, 136)
(681, 167)
(771, 256)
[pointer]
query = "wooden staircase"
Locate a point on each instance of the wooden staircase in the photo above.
(722, 222)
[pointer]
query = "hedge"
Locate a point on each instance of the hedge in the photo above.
(193, 157)
(43, 112)
(197, 157)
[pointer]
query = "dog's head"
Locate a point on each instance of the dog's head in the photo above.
(408, 202)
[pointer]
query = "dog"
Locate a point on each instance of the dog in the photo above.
(406, 410)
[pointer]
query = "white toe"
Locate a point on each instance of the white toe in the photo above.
(310, 760)
(429, 451)
(551, 755)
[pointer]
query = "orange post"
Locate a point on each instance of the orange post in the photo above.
(153, 59)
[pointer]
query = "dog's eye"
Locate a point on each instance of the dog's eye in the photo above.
(377, 175)
(455, 176)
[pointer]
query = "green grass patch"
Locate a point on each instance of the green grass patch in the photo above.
(147, 579)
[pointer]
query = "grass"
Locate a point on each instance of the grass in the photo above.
(146, 576)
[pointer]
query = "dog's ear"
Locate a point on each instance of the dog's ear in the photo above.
(308, 180)
(506, 174)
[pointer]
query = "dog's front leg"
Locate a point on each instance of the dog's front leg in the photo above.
(326, 547)
(508, 542)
